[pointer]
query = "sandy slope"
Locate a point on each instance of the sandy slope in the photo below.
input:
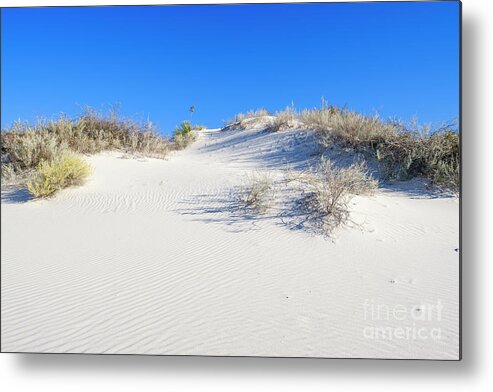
(148, 258)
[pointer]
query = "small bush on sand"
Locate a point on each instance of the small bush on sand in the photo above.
(61, 172)
(184, 135)
(257, 194)
(328, 191)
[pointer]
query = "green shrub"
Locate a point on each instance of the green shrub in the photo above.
(61, 172)
(184, 135)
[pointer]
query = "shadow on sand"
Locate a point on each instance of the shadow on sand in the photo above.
(294, 149)
(225, 209)
(15, 195)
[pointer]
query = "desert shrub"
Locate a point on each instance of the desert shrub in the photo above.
(326, 193)
(24, 145)
(350, 129)
(64, 170)
(402, 156)
(198, 127)
(111, 132)
(410, 154)
(405, 151)
(443, 159)
(359, 131)
(318, 119)
(257, 194)
(147, 143)
(25, 149)
(184, 135)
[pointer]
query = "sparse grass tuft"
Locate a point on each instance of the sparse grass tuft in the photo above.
(251, 114)
(8, 173)
(64, 170)
(257, 194)
(326, 193)
(283, 120)
(242, 120)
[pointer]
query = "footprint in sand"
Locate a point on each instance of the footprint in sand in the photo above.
(409, 281)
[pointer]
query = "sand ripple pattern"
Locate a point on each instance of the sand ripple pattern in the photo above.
(146, 258)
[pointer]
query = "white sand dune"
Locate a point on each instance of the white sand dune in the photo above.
(148, 258)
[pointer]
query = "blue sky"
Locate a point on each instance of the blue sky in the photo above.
(400, 59)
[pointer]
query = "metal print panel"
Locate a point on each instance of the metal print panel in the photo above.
(276, 180)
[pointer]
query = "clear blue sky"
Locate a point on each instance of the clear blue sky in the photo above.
(395, 58)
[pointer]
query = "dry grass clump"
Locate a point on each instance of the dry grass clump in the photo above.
(405, 151)
(257, 194)
(443, 160)
(319, 119)
(184, 135)
(23, 149)
(326, 193)
(64, 170)
(94, 132)
(251, 114)
(319, 197)
(410, 154)
(283, 120)
(348, 128)
(8, 173)
(38, 154)
(243, 120)
(24, 145)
